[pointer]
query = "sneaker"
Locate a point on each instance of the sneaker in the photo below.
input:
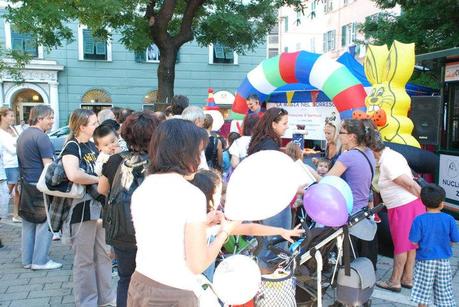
(17, 220)
(50, 265)
(27, 266)
(56, 236)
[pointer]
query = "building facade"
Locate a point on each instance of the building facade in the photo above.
(97, 74)
(327, 26)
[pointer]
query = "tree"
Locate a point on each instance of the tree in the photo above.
(237, 24)
(431, 25)
(12, 63)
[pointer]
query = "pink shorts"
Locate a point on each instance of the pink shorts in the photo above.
(400, 220)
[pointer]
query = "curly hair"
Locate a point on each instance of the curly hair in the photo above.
(138, 129)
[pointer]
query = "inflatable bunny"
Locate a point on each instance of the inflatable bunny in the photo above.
(388, 103)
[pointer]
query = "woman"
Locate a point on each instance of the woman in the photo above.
(400, 194)
(333, 145)
(92, 267)
(238, 149)
(169, 216)
(356, 166)
(267, 136)
(136, 131)
(214, 149)
(8, 140)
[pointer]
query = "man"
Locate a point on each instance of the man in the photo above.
(196, 115)
(253, 103)
(34, 150)
(178, 104)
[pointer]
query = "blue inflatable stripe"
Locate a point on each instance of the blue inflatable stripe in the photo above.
(347, 114)
(246, 89)
(304, 63)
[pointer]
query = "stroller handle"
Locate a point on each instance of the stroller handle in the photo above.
(353, 220)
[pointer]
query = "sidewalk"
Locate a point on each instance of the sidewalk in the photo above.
(21, 287)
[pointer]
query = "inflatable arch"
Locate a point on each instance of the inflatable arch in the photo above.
(327, 75)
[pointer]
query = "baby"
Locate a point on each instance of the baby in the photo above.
(106, 141)
(323, 166)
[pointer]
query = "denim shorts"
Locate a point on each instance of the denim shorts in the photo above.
(12, 175)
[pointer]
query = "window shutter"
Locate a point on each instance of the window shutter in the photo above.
(229, 54)
(324, 42)
(219, 51)
(101, 48)
(140, 57)
(30, 46)
(343, 35)
(88, 42)
(333, 38)
(17, 43)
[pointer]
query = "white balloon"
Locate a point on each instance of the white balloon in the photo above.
(237, 280)
(262, 185)
(217, 117)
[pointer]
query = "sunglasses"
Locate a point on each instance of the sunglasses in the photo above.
(343, 132)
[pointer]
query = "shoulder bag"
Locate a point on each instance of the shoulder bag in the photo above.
(53, 180)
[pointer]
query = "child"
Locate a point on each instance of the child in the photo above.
(433, 233)
(293, 150)
(323, 166)
(106, 141)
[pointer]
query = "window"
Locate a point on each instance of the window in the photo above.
(23, 42)
(329, 40)
(151, 55)
(220, 54)
(91, 48)
(272, 52)
(328, 6)
(348, 34)
(312, 44)
(96, 96)
(313, 13)
(286, 24)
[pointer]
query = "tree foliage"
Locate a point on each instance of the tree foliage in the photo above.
(238, 24)
(431, 25)
(12, 63)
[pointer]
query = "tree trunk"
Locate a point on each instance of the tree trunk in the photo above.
(166, 74)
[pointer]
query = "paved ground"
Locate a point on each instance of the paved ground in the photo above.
(21, 287)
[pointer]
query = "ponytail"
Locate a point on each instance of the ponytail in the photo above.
(370, 130)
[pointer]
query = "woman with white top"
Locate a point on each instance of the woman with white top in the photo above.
(238, 149)
(8, 140)
(169, 216)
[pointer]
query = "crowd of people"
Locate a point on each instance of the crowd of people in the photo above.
(154, 200)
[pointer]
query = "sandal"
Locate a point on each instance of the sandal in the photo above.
(387, 285)
(407, 286)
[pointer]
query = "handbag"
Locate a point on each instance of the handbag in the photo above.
(31, 203)
(53, 180)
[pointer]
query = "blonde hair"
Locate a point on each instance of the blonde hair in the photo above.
(293, 150)
(4, 111)
(337, 126)
(78, 118)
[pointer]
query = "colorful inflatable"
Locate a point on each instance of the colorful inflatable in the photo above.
(327, 75)
(388, 103)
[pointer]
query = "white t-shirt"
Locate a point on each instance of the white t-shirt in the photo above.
(2, 169)
(391, 166)
(102, 158)
(161, 207)
(8, 141)
(240, 146)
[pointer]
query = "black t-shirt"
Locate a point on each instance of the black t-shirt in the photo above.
(88, 159)
(110, 167)
(266, 144)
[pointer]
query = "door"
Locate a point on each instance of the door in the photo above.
(24, 111)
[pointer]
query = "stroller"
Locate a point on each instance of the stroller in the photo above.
(319, 260)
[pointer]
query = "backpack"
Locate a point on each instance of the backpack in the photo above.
(212, 153)
(119, 229)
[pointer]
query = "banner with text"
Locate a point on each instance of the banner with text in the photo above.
(308, 117)
(448, 177)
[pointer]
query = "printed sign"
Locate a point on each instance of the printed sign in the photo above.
(452, 72)
(307, 118)
(448, 177)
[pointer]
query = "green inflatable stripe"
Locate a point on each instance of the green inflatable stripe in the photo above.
(235, 116)
(339, 80)
(272, 71)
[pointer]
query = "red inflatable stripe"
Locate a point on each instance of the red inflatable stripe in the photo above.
(240, 105)
(287, 66)
(351, 98)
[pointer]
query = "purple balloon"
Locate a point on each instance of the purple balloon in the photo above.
(326, 205)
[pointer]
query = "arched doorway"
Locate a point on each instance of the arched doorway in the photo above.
(23, 102)
(96, 100)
